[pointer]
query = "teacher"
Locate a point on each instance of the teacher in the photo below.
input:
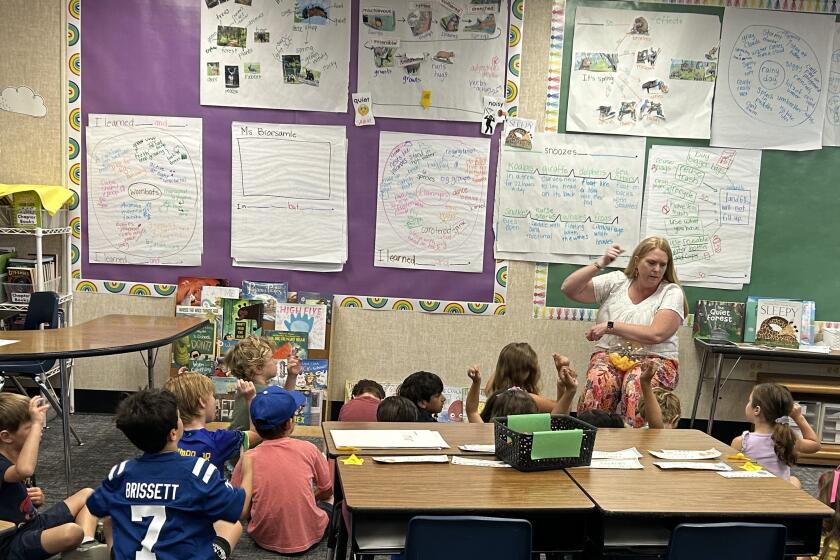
(643, 305)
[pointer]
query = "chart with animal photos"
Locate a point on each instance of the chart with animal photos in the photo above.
(432, 60)
(284, 54)
(643, 73)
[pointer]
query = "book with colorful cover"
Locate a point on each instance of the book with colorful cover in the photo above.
(719, 320)
(201, 344)
(211, 296)
(285, 345)
(271, 293)
(311, 319)
(778, 322)
(312, 382)
(317, 298)
(241, 318)
(225, 393)
(453, 406)
(188, 290)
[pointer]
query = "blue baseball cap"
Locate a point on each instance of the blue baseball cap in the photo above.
(273, 406)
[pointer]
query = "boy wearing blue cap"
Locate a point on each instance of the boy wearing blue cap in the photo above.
(288, 513)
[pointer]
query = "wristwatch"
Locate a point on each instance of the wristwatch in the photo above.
(610, 325)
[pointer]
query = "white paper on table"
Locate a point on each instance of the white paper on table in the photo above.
(747, 474)
(624, 464)
(6, 342)
(413, 459)
(478, 447)
(469, 461)
(685, 454)
(631, 453)
(690, 465)
(831, 127)
(773, 78)
(385, 439)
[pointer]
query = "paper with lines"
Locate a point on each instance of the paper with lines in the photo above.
(569, 196)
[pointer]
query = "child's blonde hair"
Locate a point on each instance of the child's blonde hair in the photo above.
(669, 404)
(250, 354)
(831, 525)
(189, 389)
(14, 411)
(517, 366)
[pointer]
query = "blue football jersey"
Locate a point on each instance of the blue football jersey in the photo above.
(217, 446)
(163, 506)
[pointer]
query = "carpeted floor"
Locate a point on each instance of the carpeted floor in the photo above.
(105, 446)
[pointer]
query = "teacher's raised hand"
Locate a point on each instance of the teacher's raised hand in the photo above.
(612, 253)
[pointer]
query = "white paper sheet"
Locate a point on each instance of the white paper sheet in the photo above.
(478, 447)
(7, 342)
(413, 459)
(144, 180)
(774, 74)
(692, 466)
(746, 474)
(631, 453)
(685, 454)
(289, 191)
(452, 52)
(570, 194)
(387, 439)
(432, 199)
(643, 73)
(211, 295)
(301, 317)
(290, 265)
(284, 54)
(831, 126)
(704, 200)
(621, 464)
(470, 462)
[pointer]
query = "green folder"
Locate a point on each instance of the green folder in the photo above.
(551, 445)
(529, 423)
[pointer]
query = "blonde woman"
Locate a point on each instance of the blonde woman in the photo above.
(643, 305)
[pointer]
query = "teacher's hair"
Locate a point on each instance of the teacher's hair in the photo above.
(644, 247)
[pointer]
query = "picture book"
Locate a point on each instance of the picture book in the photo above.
(310, 412)
(241, 318)
(271, 293)
(200, 345)
(298, 317)
(205, 367)
(26, 210)
(318, 298)
(719, 320)
(453, 406)
(808, 331)
(286, 344)
(211, 296)
(312, 382)
(225, 393)
(188, 291)
(778, 322)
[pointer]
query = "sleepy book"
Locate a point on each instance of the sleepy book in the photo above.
(778, 322)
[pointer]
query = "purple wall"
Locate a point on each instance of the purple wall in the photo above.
(142, 57)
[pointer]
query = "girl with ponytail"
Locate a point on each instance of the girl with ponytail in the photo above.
(772, 444)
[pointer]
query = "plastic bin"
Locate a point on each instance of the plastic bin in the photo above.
(20, 293)
(514, 448)
(58, 220)
(812, 411)
(830, 432)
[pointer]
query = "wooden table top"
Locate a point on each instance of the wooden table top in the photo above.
(109, 334)
(677, 492)
(454, 433)
(428, 487)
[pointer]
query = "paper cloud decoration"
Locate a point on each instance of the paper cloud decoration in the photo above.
(22, 100)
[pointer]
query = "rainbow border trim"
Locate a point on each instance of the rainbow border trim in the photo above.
(73, 110)
(516, 24)
(497, 307)
(555, 66)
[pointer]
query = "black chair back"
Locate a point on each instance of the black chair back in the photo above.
(43, 310)
(727, 541)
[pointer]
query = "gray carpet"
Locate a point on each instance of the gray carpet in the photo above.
(105, 446)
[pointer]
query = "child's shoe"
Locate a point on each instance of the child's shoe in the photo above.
(88, 550)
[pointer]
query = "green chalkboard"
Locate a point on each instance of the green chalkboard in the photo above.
(797, 249)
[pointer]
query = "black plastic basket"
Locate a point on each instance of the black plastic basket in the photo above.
(514, 448)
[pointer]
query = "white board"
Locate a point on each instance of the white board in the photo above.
(453, 51)
(280, 54)
(571, 194)
(643, 73)
(704, 200)
(288, 193)
(144, 190)
(774, 74)
(431, 203)
(831, 127)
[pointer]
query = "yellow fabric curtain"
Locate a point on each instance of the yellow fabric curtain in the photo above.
(52, 196)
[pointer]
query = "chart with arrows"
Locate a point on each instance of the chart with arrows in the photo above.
(569, 196)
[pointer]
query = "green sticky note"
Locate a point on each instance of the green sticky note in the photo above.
(529, 423)
(550, 445)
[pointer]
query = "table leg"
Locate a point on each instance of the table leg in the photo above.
(65, 420)
(150, 362)
(715, 392)
(699, 389)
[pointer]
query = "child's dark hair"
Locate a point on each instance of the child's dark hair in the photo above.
(147, 417)
(775, 402)
(601, 418)
(420, 386)
(396, 409)
(507, 402)
(276, 432)
(517, 366)
(831, 525)
(368, 386)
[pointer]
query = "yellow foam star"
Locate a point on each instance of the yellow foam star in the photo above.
(353, 460)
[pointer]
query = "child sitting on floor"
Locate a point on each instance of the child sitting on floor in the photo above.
(364, 402)
(514, 400)
(163, 505)
(772, 444)
(289, 513)
(396, 409)
(40, 534)
(252, 360)
(602, 419)
(425, 390)
(518, 366)
(660, 408)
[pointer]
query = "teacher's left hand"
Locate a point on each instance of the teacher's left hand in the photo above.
(596, 332)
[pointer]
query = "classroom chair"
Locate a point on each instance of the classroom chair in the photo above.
(727, 541)
(42, 310)
(467, 537)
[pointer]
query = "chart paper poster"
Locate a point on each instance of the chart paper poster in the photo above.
(144, 190)
(288, 195)
(643, 73)
(432, 199)
(831, 127)
(571, 194)
(704, 200)
(432, 60)
(774, 75)
(281, 54)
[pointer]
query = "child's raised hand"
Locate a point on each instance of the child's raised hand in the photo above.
(293, 366)
(474, 374)
(182, 370)
(246, 389)
(796, 412)
(648, 368)
(38, 407)
(568, 377)
(560, 361)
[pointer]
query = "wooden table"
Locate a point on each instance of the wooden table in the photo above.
(454, 433)
(639, 508)
(103, 336)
